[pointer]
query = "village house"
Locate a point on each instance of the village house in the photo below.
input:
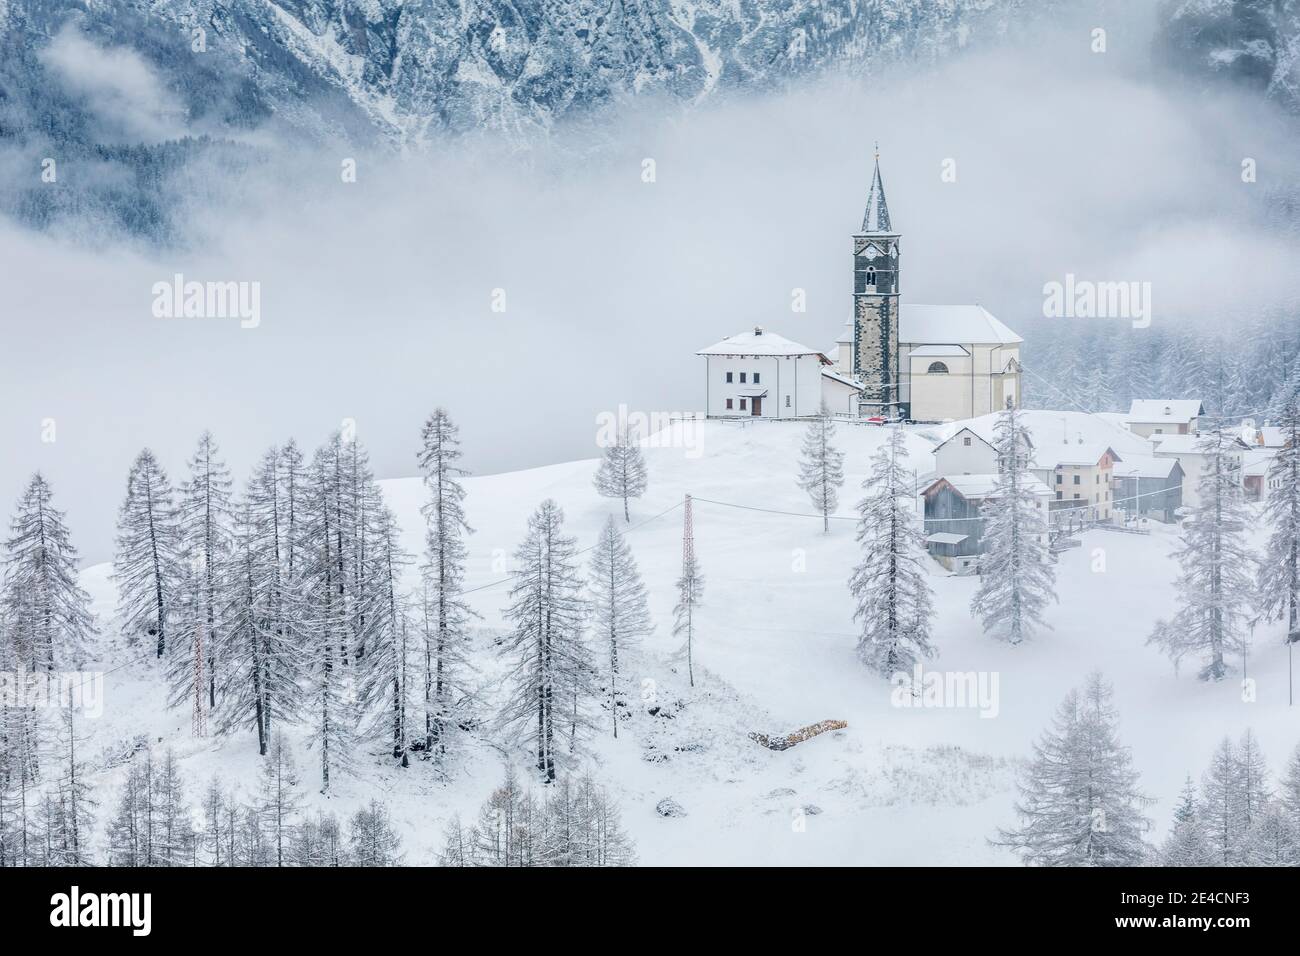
(1148, 486)
(760, 374)
(1185, 448)
(1164, 416)
(953, 523)
(967, 452)
(1079, 474)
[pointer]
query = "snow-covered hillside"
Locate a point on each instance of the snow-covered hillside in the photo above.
(775, 651)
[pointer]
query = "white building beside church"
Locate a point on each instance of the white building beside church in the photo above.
(894, 360)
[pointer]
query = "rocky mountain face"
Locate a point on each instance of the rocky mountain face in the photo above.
(409, 69)
(1250, 43)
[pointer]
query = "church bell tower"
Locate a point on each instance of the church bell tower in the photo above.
(875, 307)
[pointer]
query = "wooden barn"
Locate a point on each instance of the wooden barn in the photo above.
(953, 524)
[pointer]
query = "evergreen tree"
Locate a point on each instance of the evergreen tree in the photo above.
(203, 527)
(1079, 802)
(279, 798)
(552, 672)
(821, 466)
(147, 566)
(1187, 844)
(45, 612)
(446, 614)
(371, 838)
(325, 620)
(383, 690)
(690, 591)
(892, 597)
(1279, 579)
(1215, 585)
(622, 472)
(1016, 577)
(620, 615)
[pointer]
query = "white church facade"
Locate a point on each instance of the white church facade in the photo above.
(892, 359)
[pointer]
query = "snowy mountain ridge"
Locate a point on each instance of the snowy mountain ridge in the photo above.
(405, 70)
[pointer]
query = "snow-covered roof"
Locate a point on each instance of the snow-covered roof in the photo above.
(1189, 444)
(1055, 454)
(1052, 427)
(759, 342)
(945, 537)
(842, 379)
(925, 351)
(985, 486)
(1145, 466)
(987, 440)
(1153, 411)
(1273, 436)
(952, 325)
(1257, 461)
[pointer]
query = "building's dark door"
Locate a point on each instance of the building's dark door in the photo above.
(756, 406)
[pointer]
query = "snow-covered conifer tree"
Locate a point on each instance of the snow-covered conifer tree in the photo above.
(622, 472)
(1079, 803)
(1279, 578)
(1017, 579)
(383, 689)
(889, 586)
(325, 621)
(821, 466)
(446, 615)
(1187, 844)
(371, 838)
(551, 677)
(203, 528)
(45, 611)
(147, 566)
(620, 616)
(1215, 586)
(279, 801)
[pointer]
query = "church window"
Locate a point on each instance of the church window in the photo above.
(937, 368)
(871, 277)
(728, 378)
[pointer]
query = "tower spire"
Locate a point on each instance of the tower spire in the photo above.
(876, 218)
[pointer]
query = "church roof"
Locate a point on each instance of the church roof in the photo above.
(759, 342)
(952, 325)
(876, 218)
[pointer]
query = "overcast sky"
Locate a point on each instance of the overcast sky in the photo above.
(376, 295)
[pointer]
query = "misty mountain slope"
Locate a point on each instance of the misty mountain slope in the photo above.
(1252, 43)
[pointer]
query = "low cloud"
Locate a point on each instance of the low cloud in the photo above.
(128, 100)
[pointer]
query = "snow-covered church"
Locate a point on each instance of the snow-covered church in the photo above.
(895, 360)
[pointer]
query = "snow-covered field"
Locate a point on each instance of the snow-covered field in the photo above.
(775, 651)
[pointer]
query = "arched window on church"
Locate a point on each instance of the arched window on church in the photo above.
(937, 368)
(871, 278)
